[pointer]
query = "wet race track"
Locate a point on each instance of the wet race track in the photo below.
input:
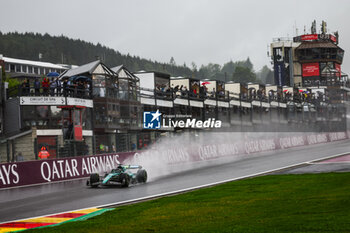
(19, 203)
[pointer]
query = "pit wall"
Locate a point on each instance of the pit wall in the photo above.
(52, 170)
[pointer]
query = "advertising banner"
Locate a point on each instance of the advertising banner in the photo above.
(333, 38)
(280, 74)
(309, 37)
(50, 170)
(338, 68)
(42, 100)
(78, 133)
(311, 69)
(53, 170)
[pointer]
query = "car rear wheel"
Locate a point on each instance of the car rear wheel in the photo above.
(141, 176)
(94, 178)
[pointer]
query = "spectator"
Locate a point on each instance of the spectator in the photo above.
(45, 84)
(80, 89)
(114, 150)
(87, 89)
(102, 147)
(184, 91)
(70, 88)
(213, 93)
(53, 86)
(65, 87)
(27, 86)
(176, 88)
(19, 157)
(37, 87)
(133, 147)
(24, 87)
(74, 88)
(59, 86)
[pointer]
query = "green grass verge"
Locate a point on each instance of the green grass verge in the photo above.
(275, 203)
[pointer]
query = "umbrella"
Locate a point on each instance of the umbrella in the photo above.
(285, 91)
(205, 83)
(53, 74)
(72, 78)
(82, 78)
(79, 78)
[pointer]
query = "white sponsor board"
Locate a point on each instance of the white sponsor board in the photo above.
(196, 103)
(283, 105)
(210, 102)
(42, 100)
(165, 103)
(181, 101)
(48, 132)
(246, 104)
(87, 132)
(256, 103)
(223, 104)
(80, 102)
(148, 101)
(235, 103)
(265, 105)
(274, 103)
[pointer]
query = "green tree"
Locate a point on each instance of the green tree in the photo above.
(228, 70)
(265, 75)
(243, 75)
(172, 61)
(194, 67)
(247, 63)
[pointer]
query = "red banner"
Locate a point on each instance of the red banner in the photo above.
(311, 69)
(309, 37)
(333, 38)
(78, 133)
(338, 68)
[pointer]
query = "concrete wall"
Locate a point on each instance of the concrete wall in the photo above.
(3, 152)
(234, 89)
(23, 145)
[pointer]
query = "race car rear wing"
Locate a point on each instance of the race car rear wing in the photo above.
(132, 166)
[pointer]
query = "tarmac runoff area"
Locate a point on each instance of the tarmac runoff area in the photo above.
(337, 164)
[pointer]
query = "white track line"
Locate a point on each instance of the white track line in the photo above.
(321, 163)
(186, 189)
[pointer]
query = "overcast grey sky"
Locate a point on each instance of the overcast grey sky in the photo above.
(199, 31)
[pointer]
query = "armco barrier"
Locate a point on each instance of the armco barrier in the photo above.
(51, 170)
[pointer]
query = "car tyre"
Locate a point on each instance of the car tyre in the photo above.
(141, 176)
(124, 180)
(94, 178)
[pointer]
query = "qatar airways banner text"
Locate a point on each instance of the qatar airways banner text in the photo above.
(311, 69)
(50, 170)
(237, 149)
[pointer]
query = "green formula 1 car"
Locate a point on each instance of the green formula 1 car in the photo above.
(123, 175)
